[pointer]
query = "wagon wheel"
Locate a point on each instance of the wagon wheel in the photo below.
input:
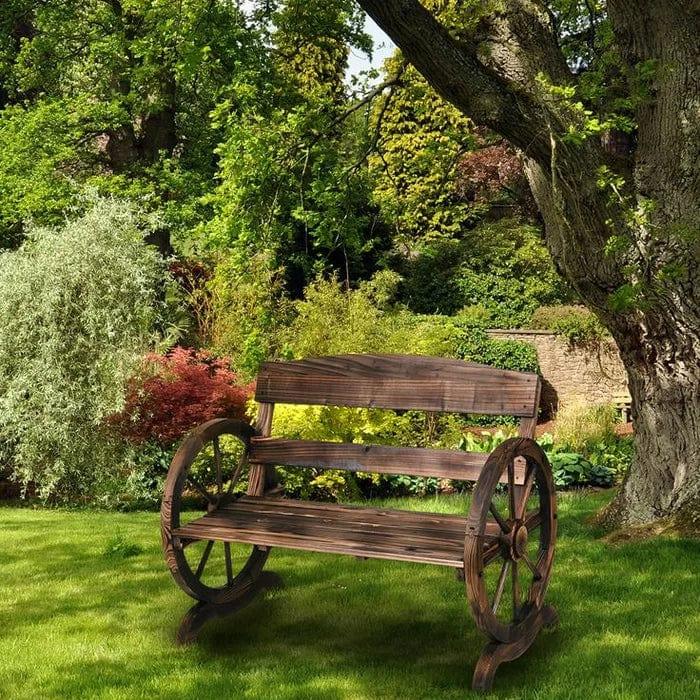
(209, 470)
(509, 547)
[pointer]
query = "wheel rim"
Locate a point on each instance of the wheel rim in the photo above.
(509, 549)
(209, 470)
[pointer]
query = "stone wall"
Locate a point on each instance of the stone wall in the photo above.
(572, 374)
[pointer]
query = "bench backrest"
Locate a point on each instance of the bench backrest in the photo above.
(399, 382)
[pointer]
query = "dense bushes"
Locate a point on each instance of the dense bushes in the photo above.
(248, 311)
(475, 345)
(601, 463)
(499, 266)
(78, 307)
(584, 449)
(167, 397)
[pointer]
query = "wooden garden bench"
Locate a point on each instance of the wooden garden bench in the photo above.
(623, 404)
(505, 543)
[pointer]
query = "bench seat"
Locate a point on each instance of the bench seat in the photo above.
(430, 538)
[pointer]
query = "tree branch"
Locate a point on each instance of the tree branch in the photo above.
(366, 99)
(457, 73)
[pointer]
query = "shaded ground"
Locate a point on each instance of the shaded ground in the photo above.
(76, 623)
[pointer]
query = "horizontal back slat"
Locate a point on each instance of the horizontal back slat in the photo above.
(414, 461)
(399, 382)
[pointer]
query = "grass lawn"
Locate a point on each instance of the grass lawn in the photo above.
(75, 622)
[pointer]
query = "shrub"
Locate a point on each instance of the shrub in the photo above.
(573, 469)
(78, 306)
(500, 266)
(615, 455)
(177, 392)
(579, 326)
(330, 320)
(600, 463)
(140, 483)
(476, 346)
(248, 310)
(483, 442)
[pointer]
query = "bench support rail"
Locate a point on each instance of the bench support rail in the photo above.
(201, 613)
(496, 653)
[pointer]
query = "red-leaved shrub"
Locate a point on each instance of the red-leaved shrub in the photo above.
(175, 393)
(483, 173)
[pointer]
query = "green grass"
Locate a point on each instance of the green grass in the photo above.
(87, 609)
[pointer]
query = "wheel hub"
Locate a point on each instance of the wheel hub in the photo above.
(519, 542)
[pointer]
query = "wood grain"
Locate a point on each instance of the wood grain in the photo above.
(399, 382)
(445, 464)
(430, 538)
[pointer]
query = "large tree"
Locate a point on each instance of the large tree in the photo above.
(622, 224)
(116, 94)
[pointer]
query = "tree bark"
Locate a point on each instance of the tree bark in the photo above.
(492, 77)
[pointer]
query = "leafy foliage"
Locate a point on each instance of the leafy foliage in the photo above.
(78, 307)
(39, 163)
(177, 392)
(579, 326)
(249, 309)
(571, 469)
(476, 346)
(493, 174)
(117, 95)
(415, 167)
(287, 188)
(499, 266)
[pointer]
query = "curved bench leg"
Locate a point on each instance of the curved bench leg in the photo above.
(495, 653)
(198, 615)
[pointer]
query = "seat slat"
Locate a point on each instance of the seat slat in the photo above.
(399, 382)
(351, 513)
(430, 538)
(445, 464)
(392, 521)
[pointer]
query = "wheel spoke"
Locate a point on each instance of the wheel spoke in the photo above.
(532, 567)
(201, 489)
(499, 519)
(511, 489)
(516, 590)
(526, 489)
(229, 568)
(491, 553)
(234, 479)
(532, 520)
(203, 560)
(217, 458)
(501, 585)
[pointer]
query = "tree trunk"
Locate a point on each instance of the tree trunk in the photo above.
(664, 382)
(659, 342)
